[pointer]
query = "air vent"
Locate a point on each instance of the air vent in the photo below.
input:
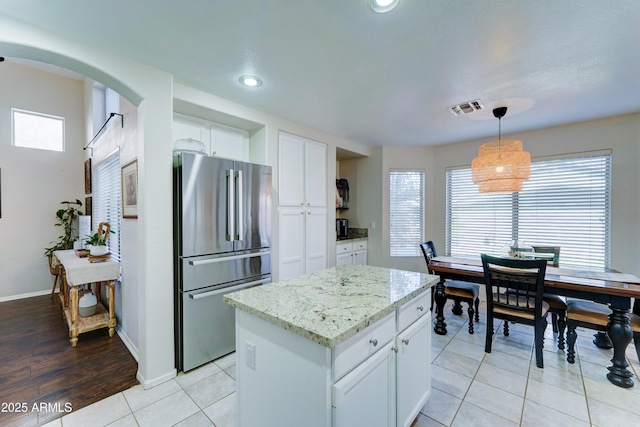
(466, 108)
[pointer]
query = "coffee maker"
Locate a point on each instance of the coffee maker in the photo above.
(342, 225)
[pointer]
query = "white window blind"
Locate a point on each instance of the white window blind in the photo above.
(107, 203)
(565, 203)
(406, 205)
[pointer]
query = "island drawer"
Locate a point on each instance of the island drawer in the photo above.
(349, 353)
(413, 310)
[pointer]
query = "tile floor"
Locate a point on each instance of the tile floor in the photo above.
(469, 388)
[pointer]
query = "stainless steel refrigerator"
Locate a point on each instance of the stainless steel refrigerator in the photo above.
(222, 244)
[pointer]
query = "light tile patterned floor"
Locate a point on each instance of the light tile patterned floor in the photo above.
(469, 388)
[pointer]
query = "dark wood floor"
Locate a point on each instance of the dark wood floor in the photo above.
(39, 367)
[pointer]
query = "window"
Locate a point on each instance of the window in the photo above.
(107, 203)
(406, 200)
(565, 203)
(36, 130)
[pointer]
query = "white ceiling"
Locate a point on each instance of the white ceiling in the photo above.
(379, 79)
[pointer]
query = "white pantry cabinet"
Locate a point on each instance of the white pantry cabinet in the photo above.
(302, 171)
(303, 240)
(302, 205)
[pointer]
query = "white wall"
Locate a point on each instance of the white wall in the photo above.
(34, 182)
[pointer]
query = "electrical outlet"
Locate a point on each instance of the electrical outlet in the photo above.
(250, 354)
(373, 225)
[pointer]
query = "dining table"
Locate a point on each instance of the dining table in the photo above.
(613, 288)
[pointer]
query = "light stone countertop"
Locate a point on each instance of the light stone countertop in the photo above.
(331, 305)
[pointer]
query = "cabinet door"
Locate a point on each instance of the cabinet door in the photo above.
(291, 223)
(316, 239)
(413, 366)
(291, 166)
(184, 128)
(315, 173)
(229, 143)
(360, 257)
(366, 395)
(344, 259)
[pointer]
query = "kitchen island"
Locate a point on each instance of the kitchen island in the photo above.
(345, 346)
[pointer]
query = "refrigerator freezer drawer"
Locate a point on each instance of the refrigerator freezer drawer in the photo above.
(201, 272)
(208, 324)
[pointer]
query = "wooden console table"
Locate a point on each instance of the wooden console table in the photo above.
(75, 272)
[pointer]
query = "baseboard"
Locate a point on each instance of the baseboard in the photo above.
(147, 384)
(127, 342)
(29, 295)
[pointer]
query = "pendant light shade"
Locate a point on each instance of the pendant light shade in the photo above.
(501, 166)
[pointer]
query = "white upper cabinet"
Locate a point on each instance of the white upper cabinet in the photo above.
(291, 170)
(302, 171)
(219, 140)
(316, 173)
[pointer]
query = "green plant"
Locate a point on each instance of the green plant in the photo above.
(65, 217)
(100, 238)
(96, 240)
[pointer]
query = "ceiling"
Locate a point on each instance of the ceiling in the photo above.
(379, 79)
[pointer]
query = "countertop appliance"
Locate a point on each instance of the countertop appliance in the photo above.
(222, 244)
(342, 228)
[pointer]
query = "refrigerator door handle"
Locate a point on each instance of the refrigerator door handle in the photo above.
(231, 206)
(228, 258)
(240, 213)
(228, 289)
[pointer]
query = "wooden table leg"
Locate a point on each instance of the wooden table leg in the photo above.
(73, 308)
(621, 334)
(440, 298)
(112, 317)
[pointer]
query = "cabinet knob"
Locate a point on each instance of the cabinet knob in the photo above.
(373, 341)
(394, 349)
(308, 204)
(405, 341)
(420, 308)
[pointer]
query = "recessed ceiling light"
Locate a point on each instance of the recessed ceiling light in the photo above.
(251, 81)
(383, 6)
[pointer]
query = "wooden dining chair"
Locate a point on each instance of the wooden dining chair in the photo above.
(456, 290)
(514, 290)
(557, 304)
(593, 315)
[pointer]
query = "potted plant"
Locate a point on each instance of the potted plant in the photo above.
(65, 217)
(97, 243)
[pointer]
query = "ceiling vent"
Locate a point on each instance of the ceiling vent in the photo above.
(466, 108)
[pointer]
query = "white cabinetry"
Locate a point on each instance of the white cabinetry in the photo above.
(302, 201)
(377, 377)
(413, 377)
(219, 140)
(371, 385)
(351, 252)
(407, 356)
(302, 171)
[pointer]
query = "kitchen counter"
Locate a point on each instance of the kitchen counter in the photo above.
(331, 305)
(345, 346)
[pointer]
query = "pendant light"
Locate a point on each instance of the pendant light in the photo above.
(501, 166)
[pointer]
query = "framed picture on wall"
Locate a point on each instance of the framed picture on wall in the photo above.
(87, 176)
(130, 190)
(88, 205)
